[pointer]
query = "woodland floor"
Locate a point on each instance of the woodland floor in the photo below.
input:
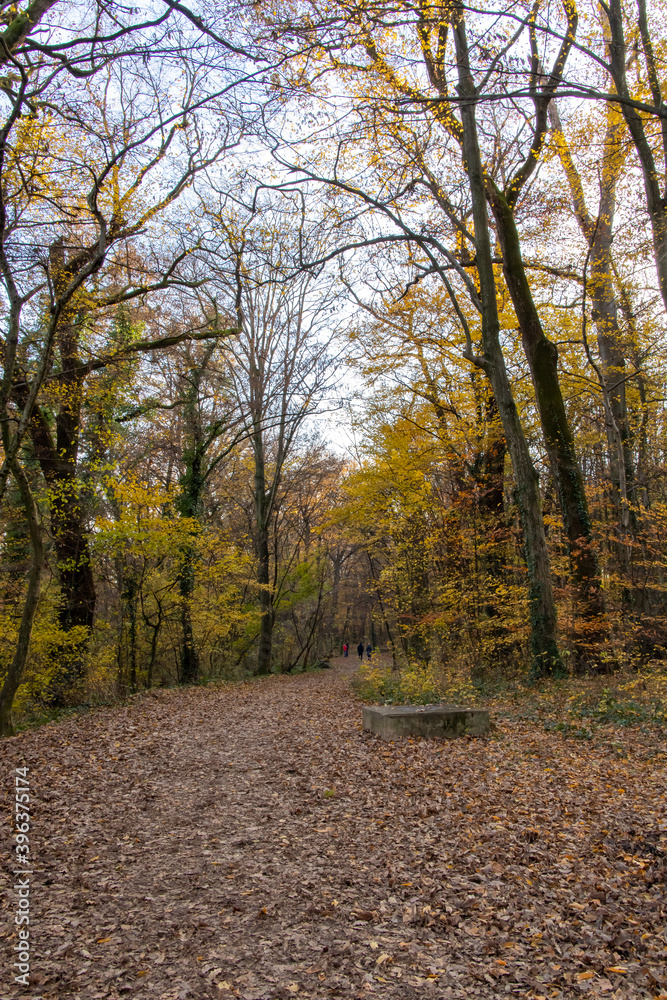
(252, 841)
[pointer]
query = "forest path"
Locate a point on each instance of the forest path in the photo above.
(252, 841)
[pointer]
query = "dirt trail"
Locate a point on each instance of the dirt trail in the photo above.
(252, 841)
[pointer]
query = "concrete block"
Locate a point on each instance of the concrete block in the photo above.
(432, 721)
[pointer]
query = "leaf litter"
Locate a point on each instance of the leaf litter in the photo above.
(252, 841)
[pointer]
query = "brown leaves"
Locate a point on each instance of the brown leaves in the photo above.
(204, 859)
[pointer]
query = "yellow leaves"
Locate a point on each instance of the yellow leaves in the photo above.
(145, 520)
(417, 684)
(582, 976)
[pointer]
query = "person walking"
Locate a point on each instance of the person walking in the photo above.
(360, 650)
(369, 650)
(345, 649)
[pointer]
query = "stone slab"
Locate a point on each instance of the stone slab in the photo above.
(432, 721)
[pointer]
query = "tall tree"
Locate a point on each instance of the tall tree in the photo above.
(546, 655)
(90, 173)
(210, 428)
(601, 283)
(279, 366)
(396, 115)
(411, 106)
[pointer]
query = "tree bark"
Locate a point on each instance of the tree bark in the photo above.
(20, 27)
(58, 461)
(264, 650)
(591, 625)
(544, 645)
(189, 666)
(598, 233)
(656, 202)
(17, 666)
(188, 505)
(76, 607)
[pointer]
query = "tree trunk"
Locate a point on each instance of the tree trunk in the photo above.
(132, 614)
(76, 608)
(598, 233)
(188, 504)
(591, 625)
(265, 603)
(17, 666)
(392, 644)
(263, 560)
(489, 476)
(612, 370)
(189, 666)
(155, 629)
(545, 653)
(656, 203)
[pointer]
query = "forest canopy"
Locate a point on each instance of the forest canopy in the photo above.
(329, 322)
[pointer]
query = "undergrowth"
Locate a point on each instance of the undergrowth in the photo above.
(573, 706)
(413, 684)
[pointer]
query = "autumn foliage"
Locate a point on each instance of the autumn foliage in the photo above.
(356, 332)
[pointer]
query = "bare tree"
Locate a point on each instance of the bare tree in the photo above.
(280, 364)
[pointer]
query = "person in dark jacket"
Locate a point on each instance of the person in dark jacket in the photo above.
(360, 650)
(369, 650)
